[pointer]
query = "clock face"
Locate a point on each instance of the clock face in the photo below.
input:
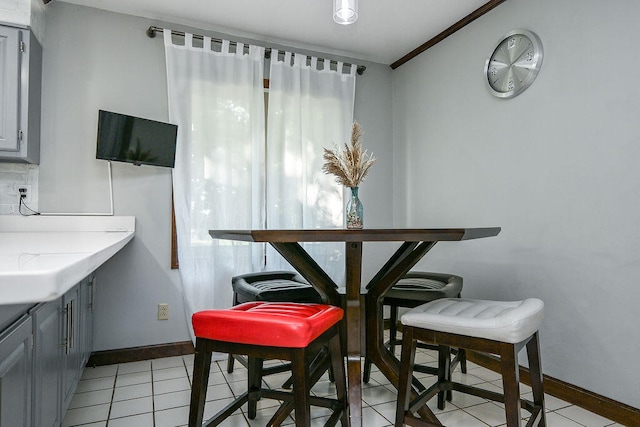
(514, 64)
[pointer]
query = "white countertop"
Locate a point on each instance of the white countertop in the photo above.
(42, 257)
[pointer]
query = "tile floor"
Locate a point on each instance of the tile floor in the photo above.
(155, 393)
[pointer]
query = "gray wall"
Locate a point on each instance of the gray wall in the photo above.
(100, 60)
(555, 167)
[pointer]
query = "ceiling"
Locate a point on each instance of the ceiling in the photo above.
(386, 30)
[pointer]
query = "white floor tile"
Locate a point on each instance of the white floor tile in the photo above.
(167, 362)
(556, 420)
(489, 413)
(99, 372)
(142, 420)
(460, 418)
(131, 367)
(133, 378)
(172, 417)
(98, 424)
(170, 386)
(95, 384)
(216, 378)
(377, 395)
(387, 410)
(172, 400)
(132, 392)
(217, 392)
(213, 407)
(584, 417)
(129, 407)
(91, 398)
(89, 414)
(169, 373)
(372, 418)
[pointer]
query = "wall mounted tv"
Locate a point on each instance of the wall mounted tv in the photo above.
(135, 140)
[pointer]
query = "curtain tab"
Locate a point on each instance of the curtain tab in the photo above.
(188, 40)
(167, 37)
(353, 70)
(225, 46)
(314, 63)
(287, 58)
(256, 52)
(239, 49)
(206, 43)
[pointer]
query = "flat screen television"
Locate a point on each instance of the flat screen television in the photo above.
(135, 140)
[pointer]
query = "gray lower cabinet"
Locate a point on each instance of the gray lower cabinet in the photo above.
(42, 356)
(87, 295)
(15, 374)
(47, 363)
(71, 337)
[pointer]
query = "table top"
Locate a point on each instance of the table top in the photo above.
(357, 235)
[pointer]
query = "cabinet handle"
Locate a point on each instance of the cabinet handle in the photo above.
(92, 289)
(63, 343)
(71, 325)
(68, 339)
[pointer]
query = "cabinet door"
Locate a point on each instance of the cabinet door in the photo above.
(9, 87)
(71, 355)
(47, 364)
(87, 289)
(15, 374)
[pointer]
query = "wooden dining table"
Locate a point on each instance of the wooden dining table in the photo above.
(415, 243)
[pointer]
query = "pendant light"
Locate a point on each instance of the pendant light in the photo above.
(345, 12)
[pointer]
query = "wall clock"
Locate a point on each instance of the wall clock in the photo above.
(514, 64)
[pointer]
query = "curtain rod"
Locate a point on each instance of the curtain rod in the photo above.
(152, 30)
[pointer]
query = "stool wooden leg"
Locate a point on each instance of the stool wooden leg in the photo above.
(393, 328)
(510, 383)
(201, 368)
(337, 366)
(301, 387)
(463, 360)
(535, 370)
(254, 383)
(407, 359)
(366, 370)
(230, 363)
(444, 373)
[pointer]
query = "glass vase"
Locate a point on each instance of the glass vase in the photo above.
(355, 218)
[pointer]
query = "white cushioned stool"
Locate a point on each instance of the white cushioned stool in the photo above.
(501, 328)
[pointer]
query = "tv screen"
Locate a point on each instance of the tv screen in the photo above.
(135, 140)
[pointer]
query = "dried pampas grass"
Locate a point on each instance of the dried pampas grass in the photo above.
(351, 165)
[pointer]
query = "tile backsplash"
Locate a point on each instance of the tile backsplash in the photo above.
(12, 177)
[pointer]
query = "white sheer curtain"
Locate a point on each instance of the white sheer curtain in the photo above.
(310, 107)
(217, 100)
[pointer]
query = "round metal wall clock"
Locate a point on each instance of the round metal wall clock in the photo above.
(514, 64)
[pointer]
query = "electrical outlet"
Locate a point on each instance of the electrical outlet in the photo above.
(25, 192)
(163, 311)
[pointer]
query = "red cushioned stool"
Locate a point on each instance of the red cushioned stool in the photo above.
(266, 330)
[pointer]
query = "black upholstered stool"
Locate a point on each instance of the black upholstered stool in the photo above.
(414, 289)
(270, 286)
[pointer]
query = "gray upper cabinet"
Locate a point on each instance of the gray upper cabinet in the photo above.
(20, 93)
(9, 76)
